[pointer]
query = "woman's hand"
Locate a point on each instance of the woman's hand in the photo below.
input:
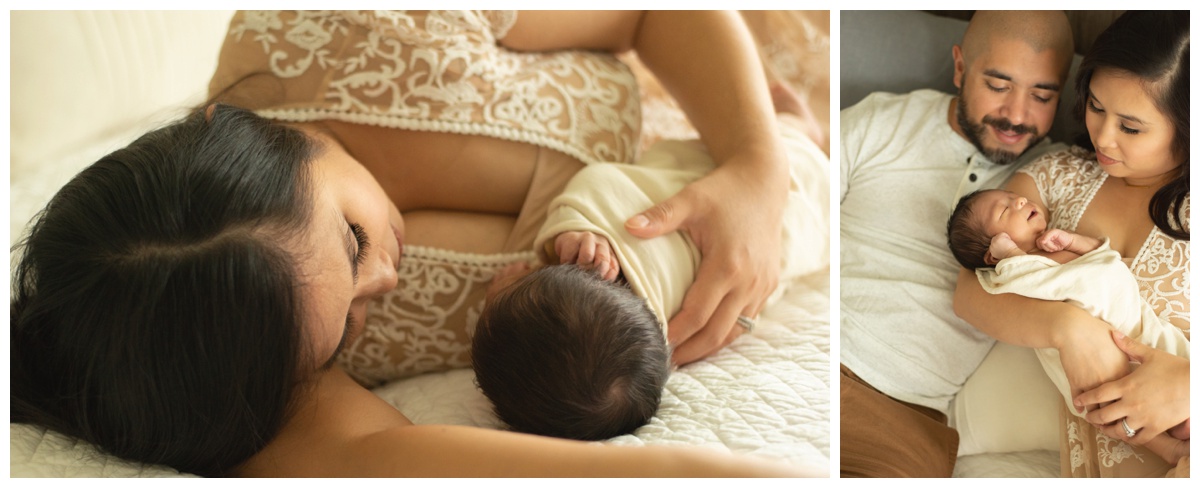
(1152, 399)
(708, 62)
(588, 251)
(733, 215)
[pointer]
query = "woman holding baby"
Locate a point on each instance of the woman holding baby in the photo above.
(1129, 181)
(183, 300)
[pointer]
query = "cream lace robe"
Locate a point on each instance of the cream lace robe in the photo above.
(1067, 182)
(443, 71)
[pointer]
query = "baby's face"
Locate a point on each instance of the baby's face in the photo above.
(1005, 211)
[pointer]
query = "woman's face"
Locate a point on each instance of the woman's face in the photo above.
(1132, 137)
(355, 240)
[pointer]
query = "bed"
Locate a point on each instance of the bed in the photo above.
(765, 395)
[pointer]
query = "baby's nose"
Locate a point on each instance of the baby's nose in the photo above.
(1021, 201)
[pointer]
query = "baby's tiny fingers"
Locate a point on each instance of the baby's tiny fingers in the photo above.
(601, 268)
(568, 253)
(587, 250)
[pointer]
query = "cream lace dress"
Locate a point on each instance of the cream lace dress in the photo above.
(443, 71)
(1067, 182)
(440, 71)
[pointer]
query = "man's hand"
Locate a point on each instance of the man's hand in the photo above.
(1090, 359)
(733, 215)
(588, 251)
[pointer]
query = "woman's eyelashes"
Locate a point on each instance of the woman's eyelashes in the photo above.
(1091, 106)
(360, 236)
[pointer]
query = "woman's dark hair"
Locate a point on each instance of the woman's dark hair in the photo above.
(1154, 46)
(564, 353)
(965, 236)
(156, 311)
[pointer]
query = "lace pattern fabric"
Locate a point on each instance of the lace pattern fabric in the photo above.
(437, 71)
(426, 323)
(442, 71)
(1068, 181)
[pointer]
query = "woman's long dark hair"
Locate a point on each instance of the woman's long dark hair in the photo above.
(156, 312)
(1154, 46)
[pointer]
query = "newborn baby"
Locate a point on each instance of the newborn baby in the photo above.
(1006, 230)
(990, 225)
(569, 350)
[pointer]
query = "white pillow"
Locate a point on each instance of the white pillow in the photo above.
(1007, 405)
(35, 452)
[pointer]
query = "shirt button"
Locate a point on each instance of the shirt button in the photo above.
(973, 177)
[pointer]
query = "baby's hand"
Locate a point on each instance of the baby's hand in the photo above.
(588, 251)
(1003, 246)
(1054, 240)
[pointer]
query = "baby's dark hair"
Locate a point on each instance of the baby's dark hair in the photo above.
(965, 236)
(564, 353)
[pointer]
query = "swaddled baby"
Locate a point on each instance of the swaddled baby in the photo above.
(1008, 231)
(577, 347)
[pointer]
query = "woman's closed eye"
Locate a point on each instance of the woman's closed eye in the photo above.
(360, 256)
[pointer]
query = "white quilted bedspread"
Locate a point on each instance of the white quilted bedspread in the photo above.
(767, 394)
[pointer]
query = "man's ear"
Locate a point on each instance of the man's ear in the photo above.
(960, 65)
(989, 259)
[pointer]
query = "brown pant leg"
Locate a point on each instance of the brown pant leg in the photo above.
(886, 438)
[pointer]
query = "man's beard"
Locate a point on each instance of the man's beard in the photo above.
(974, 133)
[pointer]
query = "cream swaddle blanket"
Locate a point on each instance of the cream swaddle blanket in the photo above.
(602, 196)
(1097, 282)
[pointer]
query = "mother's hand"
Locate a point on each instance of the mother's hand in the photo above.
(1152, 399)
(733, 215)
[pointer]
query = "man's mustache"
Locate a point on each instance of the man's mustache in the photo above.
(1006, 125)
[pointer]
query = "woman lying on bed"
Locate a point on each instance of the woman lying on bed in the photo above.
(182, 300)
(1129, 182)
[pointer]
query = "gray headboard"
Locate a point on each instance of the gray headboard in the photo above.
(903, 51)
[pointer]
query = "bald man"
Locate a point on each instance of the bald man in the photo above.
(906, 159)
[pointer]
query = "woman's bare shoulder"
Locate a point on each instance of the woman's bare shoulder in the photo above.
(325, 435)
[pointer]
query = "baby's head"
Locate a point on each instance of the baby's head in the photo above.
(981, 215)
(563, 353)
